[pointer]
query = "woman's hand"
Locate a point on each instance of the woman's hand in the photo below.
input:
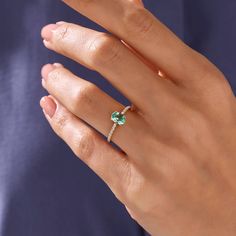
(176, 174)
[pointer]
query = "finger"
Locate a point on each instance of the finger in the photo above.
(94, 106)
(109, 164)
(140, 29)
(112, 59)
(139, 2)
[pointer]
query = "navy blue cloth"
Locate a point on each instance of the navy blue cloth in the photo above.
(44, 189)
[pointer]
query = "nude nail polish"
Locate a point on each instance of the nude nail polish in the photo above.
(47, 69)
(49, 106)
(47, 32)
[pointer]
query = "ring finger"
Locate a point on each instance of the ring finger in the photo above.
(92, 105)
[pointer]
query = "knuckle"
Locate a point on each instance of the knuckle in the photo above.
(137, 20)
(215, 84)
(83, 96)
(209, 72)
(134, 185)
(222, 83)
(60, 120)
(121, 191)
(104, 49)
(134, 198)
(84, 146)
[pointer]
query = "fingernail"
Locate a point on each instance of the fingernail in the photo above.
(60, 22)
(58, 65)
(49, 106)
(47, 69)
(47, 31)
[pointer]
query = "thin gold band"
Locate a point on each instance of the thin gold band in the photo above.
(116, 123)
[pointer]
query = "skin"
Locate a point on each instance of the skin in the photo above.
(176, 168)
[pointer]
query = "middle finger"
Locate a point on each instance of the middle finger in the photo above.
(108, 56)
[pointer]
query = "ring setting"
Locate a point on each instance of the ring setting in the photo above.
(119, 119)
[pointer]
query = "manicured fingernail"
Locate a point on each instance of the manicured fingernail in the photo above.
(60, 22)
(47, 31)
(49, 106)
(47, 69)
(58, 65)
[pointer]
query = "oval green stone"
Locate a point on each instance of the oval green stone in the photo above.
(118, 118)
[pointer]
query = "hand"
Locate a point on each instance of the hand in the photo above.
(177, 169)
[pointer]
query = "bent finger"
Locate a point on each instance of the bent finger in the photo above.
(92, 105)
(111, 58)
(139, 28)
(108, 163)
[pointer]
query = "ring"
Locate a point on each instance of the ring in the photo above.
(118, 118)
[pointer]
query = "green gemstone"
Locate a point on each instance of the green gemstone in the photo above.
(118, 118)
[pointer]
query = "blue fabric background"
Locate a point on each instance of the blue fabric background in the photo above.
(44, 189)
